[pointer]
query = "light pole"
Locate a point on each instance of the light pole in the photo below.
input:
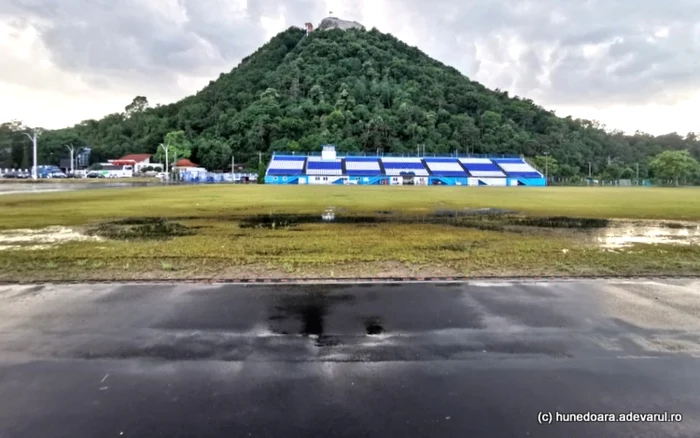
(165, 149)
(590, 174)
(33, 138)
(71, 148)
(546, 166)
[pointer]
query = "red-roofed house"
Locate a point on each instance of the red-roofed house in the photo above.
(136, 160)
(185, 163)
(186, 166)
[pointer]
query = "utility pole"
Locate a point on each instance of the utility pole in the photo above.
(33, 138)
(165, 149)
(71, 148)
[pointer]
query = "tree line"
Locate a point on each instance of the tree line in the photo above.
(363, 91)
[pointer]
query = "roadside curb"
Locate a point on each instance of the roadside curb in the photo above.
(361, 280)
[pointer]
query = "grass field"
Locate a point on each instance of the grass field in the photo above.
(214, 243)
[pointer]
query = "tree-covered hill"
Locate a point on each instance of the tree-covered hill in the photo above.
(364, 91)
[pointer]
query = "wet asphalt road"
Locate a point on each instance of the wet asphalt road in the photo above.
(423, 360)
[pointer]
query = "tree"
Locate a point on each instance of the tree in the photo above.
(674, 165)
(566, 171)
(213, 154)
(613, 172)
(261, 173)
(546, 164)
(363, 91)
(138, 105)
(178, 147)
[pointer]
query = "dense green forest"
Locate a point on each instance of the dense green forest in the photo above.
(361, 90)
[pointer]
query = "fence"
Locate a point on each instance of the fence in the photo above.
(365, 154)
(213, 178)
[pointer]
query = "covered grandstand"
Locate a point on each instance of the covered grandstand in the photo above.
(329, 168)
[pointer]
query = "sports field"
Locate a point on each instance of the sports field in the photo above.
(227, 231)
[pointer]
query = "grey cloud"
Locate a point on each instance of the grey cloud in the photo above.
(636, 67)
(132, 41)
(128, 41)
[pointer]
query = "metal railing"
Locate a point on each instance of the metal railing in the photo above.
(365, 154)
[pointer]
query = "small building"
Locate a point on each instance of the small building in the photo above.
(184, 163)
(186, 166)
(81, 160)
(138, 161)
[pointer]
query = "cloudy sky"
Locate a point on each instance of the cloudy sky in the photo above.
(631, 64)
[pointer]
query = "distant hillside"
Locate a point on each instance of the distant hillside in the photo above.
(364, 91)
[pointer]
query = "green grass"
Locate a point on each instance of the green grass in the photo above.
(218, 247)
(82, 207)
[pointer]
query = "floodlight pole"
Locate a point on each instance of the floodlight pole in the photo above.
(165, 149)
(71, 148)
(33, 139)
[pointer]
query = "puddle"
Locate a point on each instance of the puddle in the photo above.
(485, 219)
(624, 235)
(373, 326)
(150, 228)
(44, 238)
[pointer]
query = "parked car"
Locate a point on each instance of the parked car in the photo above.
(17, 174)
(95, 174)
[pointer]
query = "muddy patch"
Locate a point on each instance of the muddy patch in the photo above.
(622, 234)
(150, 228)
(43, 238)
(485, 219)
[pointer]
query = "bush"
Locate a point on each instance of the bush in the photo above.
(261, 173)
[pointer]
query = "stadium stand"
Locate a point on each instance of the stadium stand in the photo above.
(398, 165)
(448, 167)
(362, 166)
(328, 168)
(482, 168)
(517, 168)
(286, 165)
(319, 166)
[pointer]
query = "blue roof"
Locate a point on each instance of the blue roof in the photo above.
(482, 167)
(285, 171)
(507, 160)
(364, 172)
(440, 160)
(450, 173)
(289, 157)
(319, 165)
(402, 165)
(523, 174)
